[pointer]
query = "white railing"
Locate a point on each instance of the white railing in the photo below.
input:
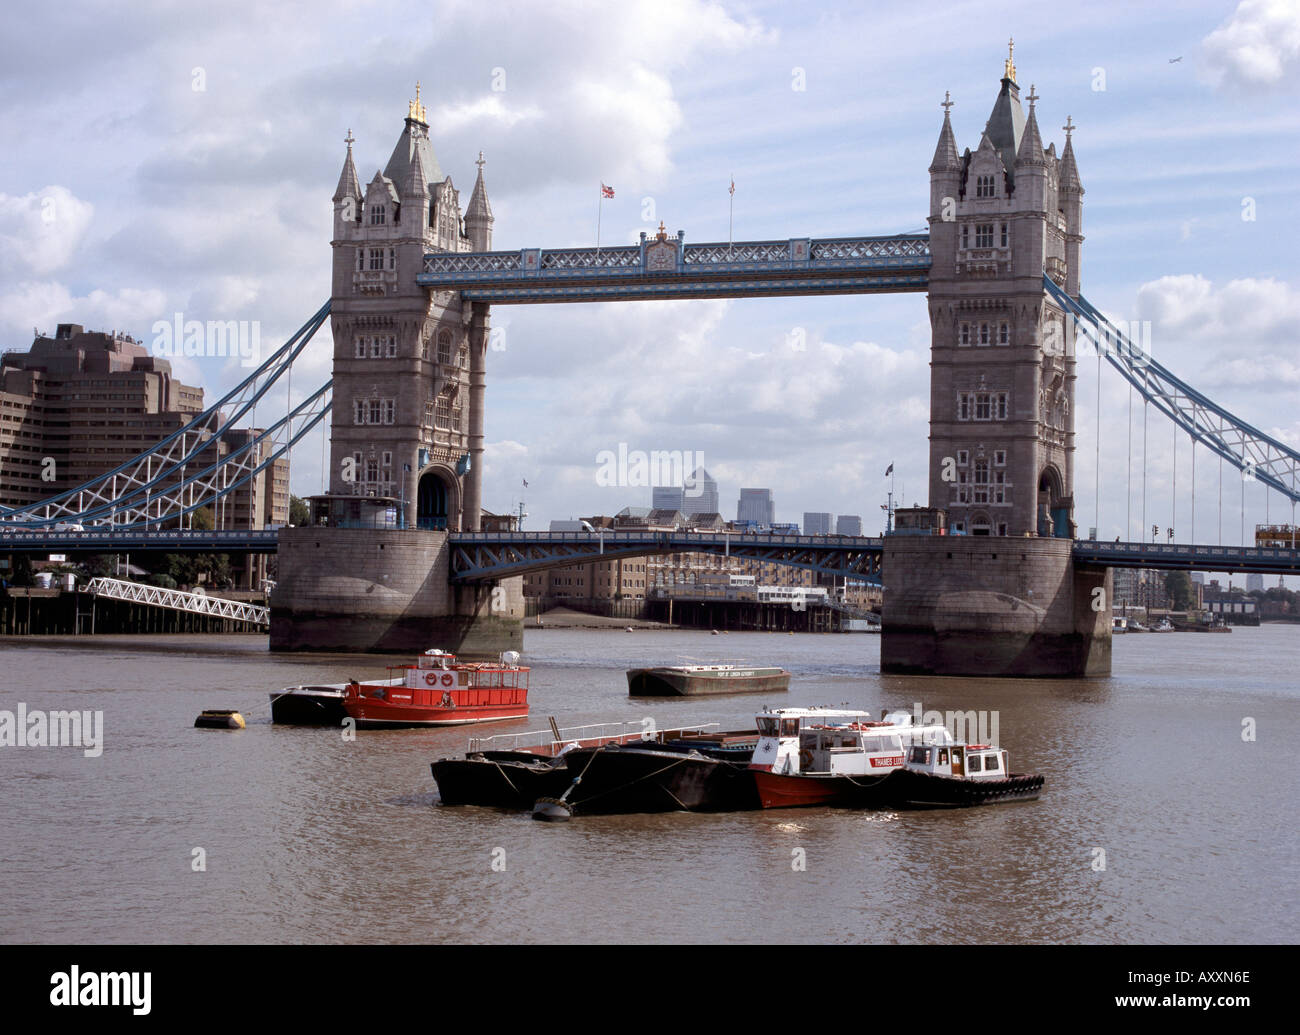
(591, 258)
(179, 600)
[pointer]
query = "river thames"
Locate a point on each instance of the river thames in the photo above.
(1166, 815)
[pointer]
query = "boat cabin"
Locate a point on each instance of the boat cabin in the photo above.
(838, 743)
(968, 761)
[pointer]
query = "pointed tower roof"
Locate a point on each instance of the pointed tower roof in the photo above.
(1006, 123)
(415, 137)
(946, 158)
(349, 186)
(1069, 175)
(417, 179)
(478, 201)
(1030, 151)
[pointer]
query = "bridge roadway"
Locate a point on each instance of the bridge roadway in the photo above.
(482, 556)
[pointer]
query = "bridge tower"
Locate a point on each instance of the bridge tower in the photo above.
(1002, 370)
(1000, 594)
(408, 363)
(407, 427)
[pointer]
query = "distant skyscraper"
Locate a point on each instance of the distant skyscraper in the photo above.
(848, 524)
(665, 497)
(817, 523)
(756, 505)
(700, 495)
(1254, 583)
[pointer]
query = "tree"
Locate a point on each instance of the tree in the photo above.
(1179, 588)
(299, 511)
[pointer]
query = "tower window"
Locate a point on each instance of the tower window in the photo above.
(965, 235)
(1000, 458)
(392, 258)
(361, 259)
(985, 187)
(983, 406)
(378, 216)
(1004, 334)
(963, 458)
(444, 347)
(965, 334)
(374, 348)
(983, 235)
(390, 411)
(361, 348)
(390, 347)
(377, 259)
(984, 334)
(1005, 235)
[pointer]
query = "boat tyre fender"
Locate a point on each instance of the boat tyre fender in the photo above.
(447, 702)
(447, 679)
(431, 678)
(805, 760)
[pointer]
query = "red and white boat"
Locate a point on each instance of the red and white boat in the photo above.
(828, 756)
(440, 691)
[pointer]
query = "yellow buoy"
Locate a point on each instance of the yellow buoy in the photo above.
(216, 719)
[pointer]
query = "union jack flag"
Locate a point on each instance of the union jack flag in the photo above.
(606, 192)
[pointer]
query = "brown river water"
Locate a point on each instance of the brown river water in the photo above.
(1159, 821)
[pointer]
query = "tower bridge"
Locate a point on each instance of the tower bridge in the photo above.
(1012, 591)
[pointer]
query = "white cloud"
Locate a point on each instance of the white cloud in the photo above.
(40, 231)
(1258, 46)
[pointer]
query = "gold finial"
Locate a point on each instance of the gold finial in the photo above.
(414, 109)
(663, 234)
(1009, 72)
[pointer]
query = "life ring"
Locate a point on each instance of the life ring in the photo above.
(447, 702)
(805, 760)
(447, 679)
(432, 679)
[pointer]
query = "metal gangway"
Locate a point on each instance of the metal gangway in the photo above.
(179, 600)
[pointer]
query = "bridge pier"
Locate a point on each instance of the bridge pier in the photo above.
(993, 606)
(381, 590)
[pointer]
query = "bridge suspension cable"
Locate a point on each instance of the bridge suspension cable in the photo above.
(149, 486)
(1256, 454)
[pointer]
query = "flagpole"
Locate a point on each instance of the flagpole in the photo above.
(731, 210)
(600, 204)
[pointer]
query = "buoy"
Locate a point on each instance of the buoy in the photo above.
(552, 810)
(218, 719)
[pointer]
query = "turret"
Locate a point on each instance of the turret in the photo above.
(478, 218)
(1071, 204)
(347, 195)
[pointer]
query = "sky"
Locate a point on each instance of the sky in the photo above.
(167, 158)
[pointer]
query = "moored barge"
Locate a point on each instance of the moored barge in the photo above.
(701, 680)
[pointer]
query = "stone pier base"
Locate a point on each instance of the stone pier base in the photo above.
(990, 606)
(382, 590)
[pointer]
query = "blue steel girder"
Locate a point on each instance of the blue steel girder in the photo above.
(1254, 453)
(137, 539)
(659, 269)
(1264, 560)
(481, 556)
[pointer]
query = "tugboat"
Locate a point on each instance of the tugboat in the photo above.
(699, 680)
(825, 756)
(439, 691)
(961, 775)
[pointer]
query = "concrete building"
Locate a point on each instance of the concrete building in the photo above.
(666, 497)
(817, 522)
(700, 496)
(1254, 583)
(848, 524)
(756, 505)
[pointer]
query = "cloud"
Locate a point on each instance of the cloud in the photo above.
(40, 231)
(1258, 46)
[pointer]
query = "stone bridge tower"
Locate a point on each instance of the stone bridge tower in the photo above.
(407, 420)
(407, 429)
(1002, 359)
(999, 595)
